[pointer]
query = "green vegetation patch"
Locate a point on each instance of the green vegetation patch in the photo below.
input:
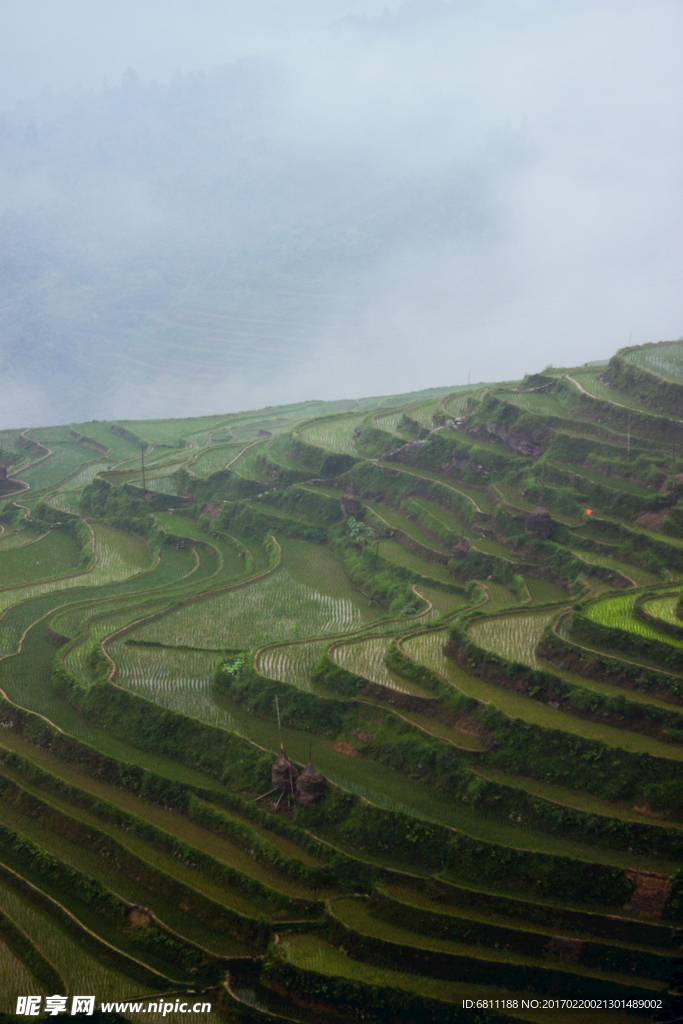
(56, 554)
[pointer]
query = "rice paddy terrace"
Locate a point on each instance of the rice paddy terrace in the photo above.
(351, 711)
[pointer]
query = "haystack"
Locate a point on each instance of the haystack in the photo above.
(283, 773)
(350, 505)
(539, 524)
(310, 786)
(461, 548)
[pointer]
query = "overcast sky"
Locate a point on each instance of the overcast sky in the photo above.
(564, 116)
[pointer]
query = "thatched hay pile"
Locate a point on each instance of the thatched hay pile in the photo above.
(350, 505)
(539, 524)
(310, 786)
(283, 773)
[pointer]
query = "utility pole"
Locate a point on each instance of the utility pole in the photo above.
(374, 573)
(279, 726)
(142, 457)
(628, 438)
(673, 472)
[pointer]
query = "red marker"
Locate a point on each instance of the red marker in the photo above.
(589, 511)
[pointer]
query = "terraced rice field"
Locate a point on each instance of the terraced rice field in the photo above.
(280, 450)
(335, 435)
(81, 971)
(85, 475)
(55, 554)
(457, 402)
(314, 954)
(443, 603)
(447, 518)
(16, 977)
(172, 613)
(477, 496)
(165, 484)
(247, 431)
(511, 495)
(214, 459)
(392, 551)
(617, 612)
(424, 412)
(76, 657)
(590, 380)
(293, 663)
(202, 438)
(171, 431)
(388, 422)
(146, 667)
(490, 546)
(57, 434)
(498, 597)
(245, 465)
(398, 522)
(366, 658)
(665, 608)
(174, 567)
(664, 359)
(19, 539)
(315, 566)
(119, 556)
(65, 460)
(13, 622)
(517, 641)
(384, 789)
(234, 555)
(272, 609)
(94, 623)
(66, 501)
(119, 447)
(639, 577)
(355, 913)
(545, 404)
(77, 617)
(545, 592)
(186, 688)
(427, 649)
(615, 483)
(513, 636)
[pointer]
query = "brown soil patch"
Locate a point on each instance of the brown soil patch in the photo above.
(345, 748)
(138, 917)
(212, 511)
(650, 893)
(648, 810)
(470, 726)
(364, 737)
(653, 520)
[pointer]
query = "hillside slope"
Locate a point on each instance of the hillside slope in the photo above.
(457, 612)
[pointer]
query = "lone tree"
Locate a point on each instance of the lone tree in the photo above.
(361, 533)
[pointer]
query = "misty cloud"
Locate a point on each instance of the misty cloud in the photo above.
(330, 200)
